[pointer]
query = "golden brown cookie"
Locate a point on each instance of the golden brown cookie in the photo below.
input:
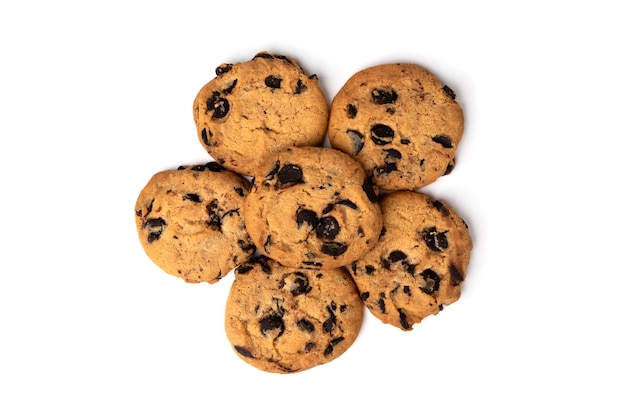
(419, 263)
(312, 207)
(285, 320)
(190, 223)
(400, 122)
(258, 107)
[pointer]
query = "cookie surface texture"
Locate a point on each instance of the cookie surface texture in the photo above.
(312, 207)
(190, 223)
(285, 320)
(400, 122)
(258, 107)
(419, 263)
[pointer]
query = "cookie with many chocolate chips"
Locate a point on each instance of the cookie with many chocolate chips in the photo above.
(419, 263)
(258, 107)
(400, 121)
(190, 223)
(312, 207)
(285, 320)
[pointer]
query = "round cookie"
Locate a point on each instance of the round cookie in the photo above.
(419, 263)
(258, 107)
(400, 122)
(190, 223)
(285, 320)
(312, 207)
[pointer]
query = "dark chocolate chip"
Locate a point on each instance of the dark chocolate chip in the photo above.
(334, 249)
(309, 346)
(456, 277)
(205, 137)
(431, 280)
(263, 55)
(387, 168)
(403, 321)
(305, 325)
(449, 92)
(273, 81)
(405, 141)
(441, 207)
(435, 240)
(306, 216)
(244, 268)
(365, 295)
(266, 245)
(193, 197)
(352, 111)
(393, 154)
(407, 290)
(333, 343)
(155, 227)
(229, 89)
(220, 106)
(368, 188)
(300, 285)
(330, 323)
(381, 302)
(300, 87)
(348, 203)
(327, 228)
(382, 134)
(409, 268)
(243, 351)
(443, 140)
(239, 191)
(384, 96)
(396, 255)
(369, 269)
(214, 218)
(273, 171)
(223, 69)
(450, 167)
(357, 141)
(149, 208)
(289, 175)
(272, 322)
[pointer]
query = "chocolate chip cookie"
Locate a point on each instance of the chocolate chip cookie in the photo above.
(419, 263)
(190, 223)
(285, 320)
(400, 122)
(258, 107)
(312, 207)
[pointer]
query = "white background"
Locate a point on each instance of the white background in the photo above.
(95, 97)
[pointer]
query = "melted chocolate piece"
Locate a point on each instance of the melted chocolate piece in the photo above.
(449, 92)
(205, 137)
(357, 141)
(155, 227)
(218, 105)
(300, 285)
(396, 255)
(330, 323)
(382, 134)
(223, 69)
(289, 175)
(333, 343)
(305, 325)
(327, 228)
(432, 282)
(365, 296)
(334, 249)
(300, 87)
(348, 203)
(352, 111)
(243, 351)
(273, 81)
(384, 96)
(441, 207)
(214, 218)
(381, 302)
(306, 216)
(443, 140)
(193, 197)
(456, 277)
(272, 322)
(402, 317)
(435, 240)
(393, 154)
(229, 89)
(368, 188)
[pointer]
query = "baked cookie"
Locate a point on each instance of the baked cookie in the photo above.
(400, 122)
(190, 222)
(285, 320)
(312, 207)
(255, 108)
(419, 263)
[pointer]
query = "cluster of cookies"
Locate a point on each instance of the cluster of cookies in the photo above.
(313, 233)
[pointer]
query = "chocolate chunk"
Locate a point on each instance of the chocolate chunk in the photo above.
(305, 325)
(334, 249)
(369, 269)
(402, 316)
(365, 296)
(441, 207)
(309, 346)
(229, 89)
(300, 87)
(384, 96)
(273, 171)
(272, 322)
(223, 69)
(405, 141)
(435, 240)
(244, 268)
(382, 134)
(306, 216)
(387, 168)
(357, 141)
(449, 92)
(352, 111)
(327, 228)
(205, 138)
(243, 351)
(450, 167)
(214, 166)
(348, 203)
(266, 245)
(368, 188)
(273, 81)
(289, 175)
(432, 281)
(456, 277)
(381, 302)
(409, 268)
(393, 154)
(155, 227)
(214, 218)
(220, 106)
(396, 255)
(334, 342)
(263, 55)
(300, 285)
(443, 140)
(330, 323)
(407, 290)
(193, 197)
(239, 191)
